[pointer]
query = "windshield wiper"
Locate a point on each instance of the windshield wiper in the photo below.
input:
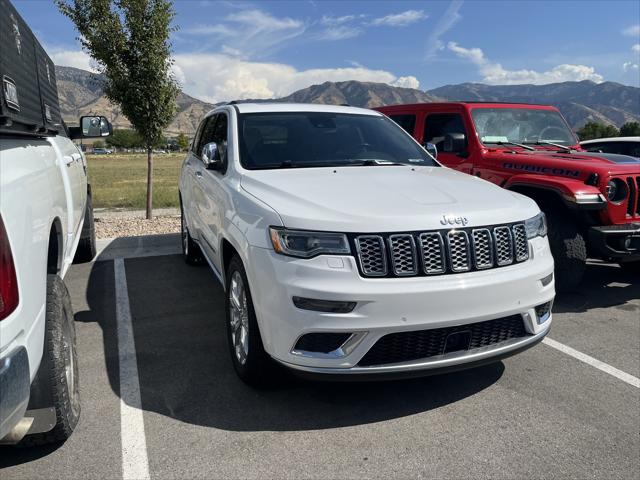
(526, 147)
(370, 162)
(557, 145)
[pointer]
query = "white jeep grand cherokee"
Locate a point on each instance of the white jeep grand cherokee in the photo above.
(345, 249)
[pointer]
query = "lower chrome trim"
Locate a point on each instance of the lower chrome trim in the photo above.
(443, 361)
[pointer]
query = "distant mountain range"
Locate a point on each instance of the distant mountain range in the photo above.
(80, 94)
(580, 102)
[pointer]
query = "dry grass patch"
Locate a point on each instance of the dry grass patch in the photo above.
(120, 180)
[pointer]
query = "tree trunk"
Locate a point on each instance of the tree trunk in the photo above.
(149, 183)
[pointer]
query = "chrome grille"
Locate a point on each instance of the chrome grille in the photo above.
(504, 245)
(482, 248)
(432, 251)
(403, 254)
(521, 244)
(459, 254)
(441, 252)
(371, 252)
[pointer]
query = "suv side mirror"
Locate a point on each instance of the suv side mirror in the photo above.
(431, 149)
(211, 156)
(455, 142)
(95, 127)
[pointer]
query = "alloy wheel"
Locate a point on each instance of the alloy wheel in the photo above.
(239, 317)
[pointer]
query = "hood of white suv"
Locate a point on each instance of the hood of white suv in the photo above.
(384, 198)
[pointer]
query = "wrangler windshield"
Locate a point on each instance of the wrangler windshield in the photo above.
(318, 139)
(521, 125)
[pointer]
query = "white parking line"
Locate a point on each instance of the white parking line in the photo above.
(594, 362)
(135, 464)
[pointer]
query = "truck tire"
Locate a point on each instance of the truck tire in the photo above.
(631, 267)
(190, 249)
(569, 251)
(250, 361)
(86, 250)
(59, 368)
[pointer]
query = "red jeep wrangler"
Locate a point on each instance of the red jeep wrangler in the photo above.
(590, 199)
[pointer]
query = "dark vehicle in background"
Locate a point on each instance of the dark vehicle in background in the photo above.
(620, 145)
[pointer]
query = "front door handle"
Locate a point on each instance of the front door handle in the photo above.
(68, 160)
(198, 174)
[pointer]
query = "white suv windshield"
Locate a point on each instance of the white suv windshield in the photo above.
(521, 125)
(318, 139)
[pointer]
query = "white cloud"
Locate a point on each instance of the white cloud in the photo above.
(339, 32)
(406, 82)
(635, 48)
(628, 66)
(217, 77)
(72, 58)
(450, 17)
(251, 32)
(400, 19)
(632, 31)
(496, 74)
(329, 20)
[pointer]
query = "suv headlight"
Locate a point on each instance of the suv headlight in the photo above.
(304, 244)
(536, 226)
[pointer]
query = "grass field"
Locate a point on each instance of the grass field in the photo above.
(120, 180)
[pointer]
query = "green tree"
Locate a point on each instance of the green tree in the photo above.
(183, 141)
(630, 129)
(98, 144)
(129, 39)
(125, 138)
(597, 130)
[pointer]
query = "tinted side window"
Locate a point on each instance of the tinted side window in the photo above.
(197, 136)
(407, 122)
(439, 124)
(206, 136)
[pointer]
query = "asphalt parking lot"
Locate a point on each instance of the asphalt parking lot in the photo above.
(540, 414)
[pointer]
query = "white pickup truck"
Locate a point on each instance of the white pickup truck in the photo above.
(46, 221)
(346, 250)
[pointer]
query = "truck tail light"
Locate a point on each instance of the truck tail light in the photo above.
(8, 281)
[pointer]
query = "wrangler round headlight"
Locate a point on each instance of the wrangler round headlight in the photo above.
(616, 190)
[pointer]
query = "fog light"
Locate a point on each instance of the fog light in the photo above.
(321, 342)
(546, 280)
(543, 312)
(328, 306)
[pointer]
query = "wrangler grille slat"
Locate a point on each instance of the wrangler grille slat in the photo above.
(441, 252)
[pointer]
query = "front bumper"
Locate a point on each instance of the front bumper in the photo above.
(14, 389)
(616, 242)
(391, 305)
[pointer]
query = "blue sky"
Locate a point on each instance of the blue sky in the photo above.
(226, 50)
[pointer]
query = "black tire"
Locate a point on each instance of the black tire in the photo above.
(631, 267)
(257, 369)
(59, 368)
(86, 250)
(569, 251)
(190, 249)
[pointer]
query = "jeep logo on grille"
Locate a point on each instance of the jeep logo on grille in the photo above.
(453, 220)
